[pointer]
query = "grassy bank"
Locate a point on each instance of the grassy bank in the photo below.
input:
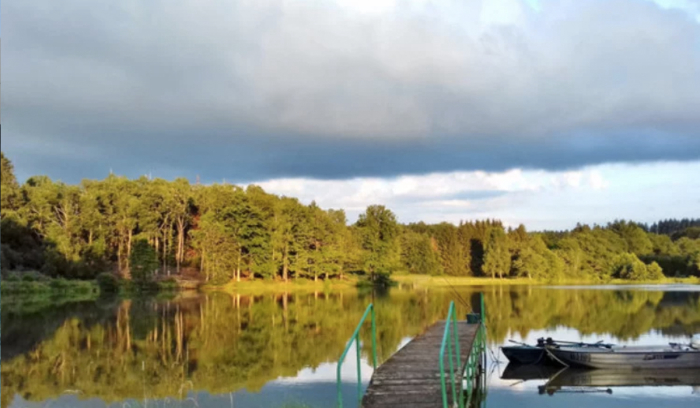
(447, 281)
(272, 286)
(35, 286)
(49, 287)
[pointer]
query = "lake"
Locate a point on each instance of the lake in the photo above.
(280, 350)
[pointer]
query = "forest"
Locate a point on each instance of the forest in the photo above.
(147, 228)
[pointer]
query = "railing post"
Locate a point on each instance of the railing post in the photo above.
(456, 336)
(359, 368)
(374, 339)
(455, 327)
(355, 338)
(452, 370)
(483, 309)
(446, 339)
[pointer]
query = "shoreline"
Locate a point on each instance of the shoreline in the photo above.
(61, 288)
(452, 281)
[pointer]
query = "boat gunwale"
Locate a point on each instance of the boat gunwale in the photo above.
(622, 351)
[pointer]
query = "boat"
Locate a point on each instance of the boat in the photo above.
(672, 356)
(522, 353)
(577, 377)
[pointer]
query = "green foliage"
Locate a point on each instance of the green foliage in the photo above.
(108, 283)
(10, 188)
(169, 284)
(143, 261)
(629, 267)
(154, 228)
(379, 232)
(497, 260)
(419, 254)
(654, 271)
(45, 286)
(636, 239)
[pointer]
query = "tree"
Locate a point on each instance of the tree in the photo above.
(497, 258)
(219, 250)
(10, 188)
(451, 249)
(533, 259)
(230, 233)
(143, 261)
(635, 237)
(379, 232)
(419, 254)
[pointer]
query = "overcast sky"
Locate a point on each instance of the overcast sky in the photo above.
(536, 111)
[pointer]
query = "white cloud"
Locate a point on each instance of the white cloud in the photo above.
(539, 199)
(434, 197)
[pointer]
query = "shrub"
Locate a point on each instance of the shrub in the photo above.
(168, 284)
(12, 278)
(108, 283)
(654, 271)
(59, 284)
(27, 277)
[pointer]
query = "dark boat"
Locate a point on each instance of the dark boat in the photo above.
(522, 353)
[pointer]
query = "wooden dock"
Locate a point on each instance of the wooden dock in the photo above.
(411, 377)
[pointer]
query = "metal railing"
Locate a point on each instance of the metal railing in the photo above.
(475, 361)
(356, 339)
(446, 344)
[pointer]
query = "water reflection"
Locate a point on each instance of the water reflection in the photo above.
(216, 349)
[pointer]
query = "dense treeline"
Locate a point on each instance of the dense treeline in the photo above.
(676, 228)
(143, 228)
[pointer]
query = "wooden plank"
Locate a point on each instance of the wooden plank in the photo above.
(411, 377)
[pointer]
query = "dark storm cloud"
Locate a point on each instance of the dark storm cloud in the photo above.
(253, 90)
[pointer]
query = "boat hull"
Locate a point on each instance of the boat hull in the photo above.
(628, 358)
(524, 355)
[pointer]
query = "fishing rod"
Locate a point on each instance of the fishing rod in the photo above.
(459, 297)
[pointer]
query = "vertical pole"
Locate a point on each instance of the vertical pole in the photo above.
(442, 382)
(339, 382)
(456, 335)
(340, 391)
(483, 309)
(359, 369)
(374, 340)
(449, 347)
(459, 354)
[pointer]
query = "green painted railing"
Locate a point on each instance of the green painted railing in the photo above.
(447, 345)
(356, 340)
(474, 360)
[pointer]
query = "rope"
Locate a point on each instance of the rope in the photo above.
(555, 358)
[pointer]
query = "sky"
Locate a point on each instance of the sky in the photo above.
(540, 112)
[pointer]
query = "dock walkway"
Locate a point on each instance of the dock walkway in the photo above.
(411, 377)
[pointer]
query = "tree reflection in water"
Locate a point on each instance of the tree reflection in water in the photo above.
(116, 350)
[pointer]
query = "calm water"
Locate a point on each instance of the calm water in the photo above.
(281, 350)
